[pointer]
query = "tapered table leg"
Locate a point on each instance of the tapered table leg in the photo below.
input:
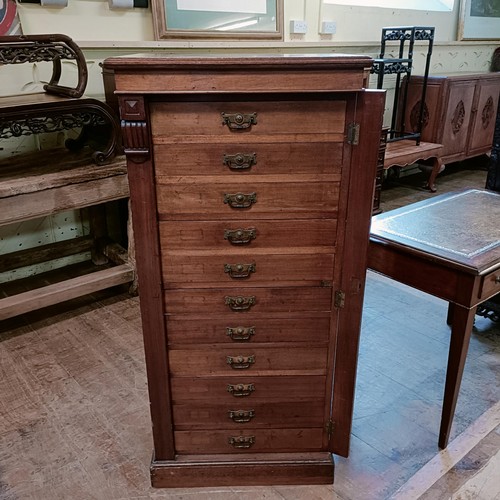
(461, 328)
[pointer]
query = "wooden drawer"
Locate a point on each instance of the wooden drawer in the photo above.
(301, 197)
(242, 414)
(188, 120)
(249, 441)
(243, 387)
(188, 269)
(252, 328)
(203, 235)
(262, 158)
(234, 303)
(490, 285)
(256, 359)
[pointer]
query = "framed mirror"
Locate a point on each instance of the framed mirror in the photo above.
(223, 19)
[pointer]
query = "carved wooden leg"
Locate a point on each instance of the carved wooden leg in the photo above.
(449, 317)
(461, 328)
(436, 168)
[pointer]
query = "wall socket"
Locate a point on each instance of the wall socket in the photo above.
(297, 27)
(328, 28)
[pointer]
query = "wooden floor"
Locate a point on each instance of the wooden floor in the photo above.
(74, 420)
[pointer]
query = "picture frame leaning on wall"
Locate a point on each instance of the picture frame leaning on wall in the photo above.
(479, 20)
(218, 19)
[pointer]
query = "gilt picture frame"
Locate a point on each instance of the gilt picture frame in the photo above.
(479, 20)
(218, 19)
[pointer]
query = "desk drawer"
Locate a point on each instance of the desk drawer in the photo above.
(490, 285)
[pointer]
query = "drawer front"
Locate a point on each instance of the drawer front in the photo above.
(236, 303)
(249, 441)
(490, 285)
(246, 269)
(244, 159)
(234, 235)
(255, 359)
(250, 329)
(229, 199)
(237, 388)
(259, 118)
(244, 414)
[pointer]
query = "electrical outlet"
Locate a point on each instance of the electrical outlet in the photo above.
(298, 27)
(328, 28)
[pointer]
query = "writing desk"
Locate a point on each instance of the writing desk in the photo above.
(447, 246)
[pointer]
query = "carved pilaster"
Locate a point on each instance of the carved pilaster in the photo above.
(135, 130)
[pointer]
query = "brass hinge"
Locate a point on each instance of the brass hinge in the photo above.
(339, 299)
(330, 426)
(353, 134)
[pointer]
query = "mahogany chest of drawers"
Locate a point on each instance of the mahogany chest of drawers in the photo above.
(251, 183)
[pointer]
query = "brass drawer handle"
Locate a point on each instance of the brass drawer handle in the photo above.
(242, 441)
(240, 161)
(240, 332)
(240, 390)
(239, 121)
(240, 236)
(240, 362)
(497, 279)
(239, 303)
(241, 416)
(240, 200)
(238, 271)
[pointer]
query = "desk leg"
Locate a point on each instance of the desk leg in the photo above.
(461, 328)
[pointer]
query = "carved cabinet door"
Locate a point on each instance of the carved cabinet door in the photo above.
(485, 108)
(457, 117)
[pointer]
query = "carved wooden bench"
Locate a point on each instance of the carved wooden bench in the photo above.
(85, 174)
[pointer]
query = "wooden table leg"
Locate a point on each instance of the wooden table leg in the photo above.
(437, 167)
(461, 328)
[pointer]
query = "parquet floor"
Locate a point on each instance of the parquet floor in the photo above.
(74, 420)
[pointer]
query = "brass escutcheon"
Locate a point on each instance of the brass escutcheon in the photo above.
(242, 441)
(239, 121)
(240, 200)
(240, 362)
(241, 416)
(240, 390)
(240, 236)
(238, 271)
(240, 333)
(240, 161)
(239, 303)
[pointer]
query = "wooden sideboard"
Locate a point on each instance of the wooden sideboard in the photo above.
(459, 112)
(251, 183)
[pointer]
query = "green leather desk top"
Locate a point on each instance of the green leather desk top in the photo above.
(461, 228)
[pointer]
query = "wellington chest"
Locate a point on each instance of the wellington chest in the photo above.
(251, 182)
